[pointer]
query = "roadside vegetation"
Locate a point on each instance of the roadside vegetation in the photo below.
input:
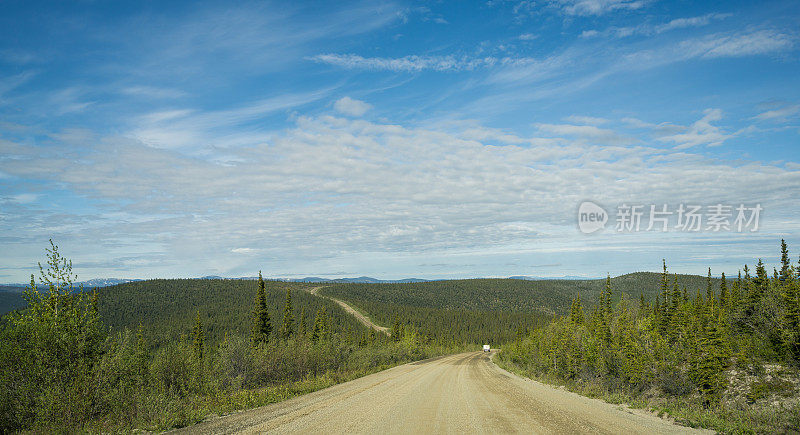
(725, 357)
(153, 355)
(63, 369)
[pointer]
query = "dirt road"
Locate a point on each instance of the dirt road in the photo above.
(361, 318)
(454, 394)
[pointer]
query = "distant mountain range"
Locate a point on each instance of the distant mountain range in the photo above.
(540, 278)
(107, 282)
(92, 283)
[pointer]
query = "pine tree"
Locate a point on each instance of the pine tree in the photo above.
(657, 311)
(786, 266)
(736, 292)
(709, 370)
(605, 313)
(198, 337)
(758, 287)
(790, 334)
(303, 325)
(288, 316)
(576, 311)
(709, 287)
(319, 325)
(395, 333)
(699, 302)
(664, 316)
(724, 296)
(262, 325)
(675, 330)
(642, 305)
(141, 360)
(675, 296)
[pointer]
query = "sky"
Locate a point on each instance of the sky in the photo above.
(396, 139)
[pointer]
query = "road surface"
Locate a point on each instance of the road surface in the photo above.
(464, 393)
(361, 318)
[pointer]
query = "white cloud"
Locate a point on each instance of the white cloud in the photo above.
(334, 192)
(597, 7)
(351, 107)
(407, 64)
(591, 120)
(650, 29)
(7, 84)
(759, 42)
(185, 128)
(527, 37)
(780, 114)
(699, 21)
(591, 132)
(24, 198)
(701, 132)
(153, 92)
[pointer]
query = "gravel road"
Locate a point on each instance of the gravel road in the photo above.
(463, 393)
(352, 311)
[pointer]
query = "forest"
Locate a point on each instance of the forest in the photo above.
(723, 357)
(167, 353)
(721, 353)
(547, 296)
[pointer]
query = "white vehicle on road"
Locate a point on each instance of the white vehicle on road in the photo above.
(486, 348)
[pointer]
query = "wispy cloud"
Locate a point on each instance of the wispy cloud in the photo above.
(655, 29)
(411, 63)
(201, 130)
(7, 84)
(351, 107)
(590, 132)
(153, 92)
(580, 7)
(779, 114)
(701, 132)
(758, 42)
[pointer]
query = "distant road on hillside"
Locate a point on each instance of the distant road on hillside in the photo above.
(361, 318)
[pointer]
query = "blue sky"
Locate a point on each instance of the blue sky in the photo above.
(395, 139)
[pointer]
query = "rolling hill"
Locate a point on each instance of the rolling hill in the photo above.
(515, 295)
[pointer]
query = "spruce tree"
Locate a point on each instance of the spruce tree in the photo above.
(262, 325)
(675, 319)
(709, 287)
(790, 334)
(709, 370)
(758, 286)
(198, 337)
(605, 313)
(288, 316)
(724, 296)
(395, 333)
(786, 266)
(736, 292)
(303, 325)
(642, 305)
(319, 325)
(676, 298)
(576, 311)
(664, 306)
